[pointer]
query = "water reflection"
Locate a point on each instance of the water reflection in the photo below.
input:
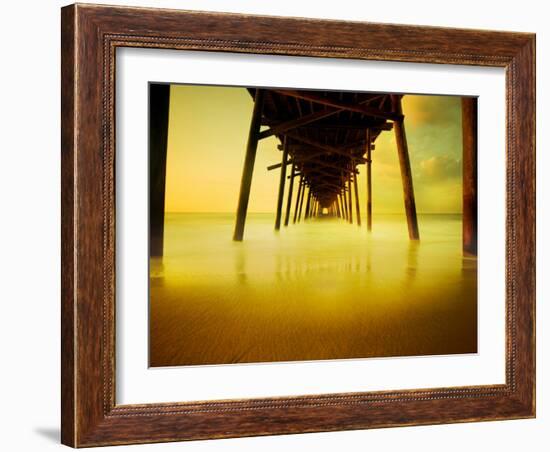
(240, 263)
(412, 260)
(318, 290)
(156, 270)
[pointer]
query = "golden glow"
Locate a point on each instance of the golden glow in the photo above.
(321, 289)
(207, 139)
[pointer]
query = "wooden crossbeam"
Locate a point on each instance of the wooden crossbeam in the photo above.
(346, 147)
(314, 176)
(364, 109)
(326, 147)
(320, 171)
(317, 116)
(348, 126)
(329, 184)
(294, 123)
(312, 159)
(300, 160)
(316, 161)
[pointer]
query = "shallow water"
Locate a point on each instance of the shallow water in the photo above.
(321, 289)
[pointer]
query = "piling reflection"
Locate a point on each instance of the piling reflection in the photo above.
(240, 263)
(317, 290)
(412, 260)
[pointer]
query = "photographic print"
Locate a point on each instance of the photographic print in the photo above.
(299, 225)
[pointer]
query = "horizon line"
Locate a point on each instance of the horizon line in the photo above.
(273, 213)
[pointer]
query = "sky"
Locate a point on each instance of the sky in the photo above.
(208, 130)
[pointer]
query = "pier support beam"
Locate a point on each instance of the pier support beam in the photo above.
(308, 203)
(343, 207)
(281, 187)
(298, 197)
(248, 168)
(289, 199)
(343, 200)
(345, 203)
(469, 176)
(159, 107)
(350, 201)
(405, 165)
(302, 200)
(369, 180)
(357, 209)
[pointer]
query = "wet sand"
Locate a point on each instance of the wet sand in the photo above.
(322, 289)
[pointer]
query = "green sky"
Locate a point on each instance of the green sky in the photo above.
(208, 128)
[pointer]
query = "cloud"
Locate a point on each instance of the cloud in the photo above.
(439, 168)
(437, 111)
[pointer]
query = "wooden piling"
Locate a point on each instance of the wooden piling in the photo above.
(281, 186)
(369, 180)
(298, 197)
(289, 196)
(405, 165)
(469, 175)
(345, 201)
(302, 201)
(159, 108)
(307, 212)
(248, 168)
(350, 201)
(357, 209)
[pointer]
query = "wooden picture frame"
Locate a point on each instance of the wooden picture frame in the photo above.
(90, 36)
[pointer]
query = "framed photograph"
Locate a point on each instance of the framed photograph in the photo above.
(281, 225)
